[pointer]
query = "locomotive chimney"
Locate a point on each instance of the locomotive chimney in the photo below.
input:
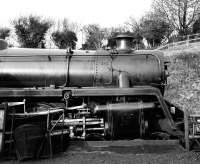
(124, 43)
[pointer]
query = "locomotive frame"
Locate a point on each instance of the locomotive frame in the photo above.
(110, 99)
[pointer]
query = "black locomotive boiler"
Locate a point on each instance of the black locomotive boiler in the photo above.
(83, 95)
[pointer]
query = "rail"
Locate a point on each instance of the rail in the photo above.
(185, 41)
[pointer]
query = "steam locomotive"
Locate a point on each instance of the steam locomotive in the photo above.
(83, 95)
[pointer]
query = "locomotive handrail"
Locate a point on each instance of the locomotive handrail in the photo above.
(64, 55)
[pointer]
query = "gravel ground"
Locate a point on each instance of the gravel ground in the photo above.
(135, 153)
(117, 158)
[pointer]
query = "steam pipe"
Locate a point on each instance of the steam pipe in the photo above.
(123, 80)
(128, 107)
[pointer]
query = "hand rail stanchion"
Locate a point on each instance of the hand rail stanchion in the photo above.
(186, 124)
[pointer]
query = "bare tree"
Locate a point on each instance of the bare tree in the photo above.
(132, 25)
(65, 35)
(181, 14)
(98, 37)
(94, 36)
(67, 25)
(135, 28)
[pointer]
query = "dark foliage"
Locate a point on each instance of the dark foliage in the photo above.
(4, 32)
(65, 39)
(196, 26)
(154, 29)
(31, 31)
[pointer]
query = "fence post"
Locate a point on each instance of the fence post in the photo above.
(186, 124)
(187, 41)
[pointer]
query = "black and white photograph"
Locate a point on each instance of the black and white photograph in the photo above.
(100, 81)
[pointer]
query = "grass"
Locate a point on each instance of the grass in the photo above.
(183, 87)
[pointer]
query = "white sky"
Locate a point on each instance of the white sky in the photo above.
(107, 13)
